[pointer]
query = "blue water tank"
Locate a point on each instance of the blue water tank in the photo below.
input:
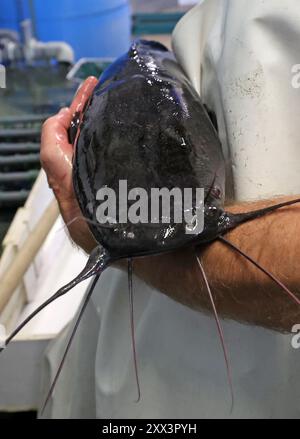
(12, 12)
(94, 28)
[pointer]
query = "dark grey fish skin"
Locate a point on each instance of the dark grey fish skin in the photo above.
(146, 124)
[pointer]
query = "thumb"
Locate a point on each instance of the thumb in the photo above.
(83, 94)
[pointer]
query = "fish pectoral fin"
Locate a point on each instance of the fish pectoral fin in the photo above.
(99, 259)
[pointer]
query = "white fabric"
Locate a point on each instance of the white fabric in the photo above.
(244, 51)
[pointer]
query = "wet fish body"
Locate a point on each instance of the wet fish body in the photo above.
(146, 124)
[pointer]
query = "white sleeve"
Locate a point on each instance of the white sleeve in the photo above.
(239, 56)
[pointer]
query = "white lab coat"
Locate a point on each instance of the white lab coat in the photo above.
(239, 55)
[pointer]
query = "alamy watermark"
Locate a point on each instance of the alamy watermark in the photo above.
(295, 70)
(295, 342)
(2, 76)
(158, 205)
(2, 336)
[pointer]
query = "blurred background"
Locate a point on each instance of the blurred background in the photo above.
(47, 48)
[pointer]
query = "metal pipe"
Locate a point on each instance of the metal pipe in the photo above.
(17, 177)
(13, 148)
(24, 118)
(13, 198)
(19, 159)
(24, 132)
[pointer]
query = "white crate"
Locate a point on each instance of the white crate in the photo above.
(56, 263)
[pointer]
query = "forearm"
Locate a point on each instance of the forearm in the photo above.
(241, 291)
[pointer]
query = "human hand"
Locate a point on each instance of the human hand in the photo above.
(56, 159)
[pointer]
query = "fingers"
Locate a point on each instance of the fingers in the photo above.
(56, 128)
(83, 94)
(56, 151)
(56, 158)
(64, 117)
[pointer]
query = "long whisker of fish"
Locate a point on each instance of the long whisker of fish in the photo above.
(83, 218)
(261, 268)
(85, 303)
(130, 291)
(220, 331)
